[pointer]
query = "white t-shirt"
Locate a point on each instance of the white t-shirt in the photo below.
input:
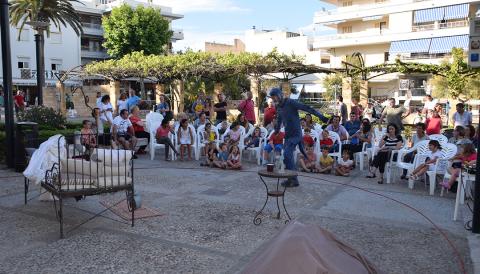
(122, 124)
(121, 104)
(344, 163)
(463, 120)
(430, 105)
(106, 115)
(432, 156)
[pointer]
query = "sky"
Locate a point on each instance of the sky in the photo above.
(223, 20)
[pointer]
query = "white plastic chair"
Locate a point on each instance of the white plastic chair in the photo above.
(201, 140)
(154, 120)
(336, 140)
(442, 139)
(193, 145)
(420, 147)
(258, 150)
(441, 166)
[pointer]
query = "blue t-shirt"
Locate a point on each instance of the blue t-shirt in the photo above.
(132, 101)
(223, 156)
(352, 127)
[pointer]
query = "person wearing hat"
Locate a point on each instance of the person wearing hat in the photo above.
(287, 114)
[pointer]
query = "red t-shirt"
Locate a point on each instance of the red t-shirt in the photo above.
(162, 132)
(20, 100)
(470, 158)
(277, 139)
(326, 142)
(434, 125)
(269, 114)
(308, 140)
(134, 120)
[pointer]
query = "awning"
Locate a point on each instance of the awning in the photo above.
(445, 44)
(429, 15)
(457, 11)
(410, 46)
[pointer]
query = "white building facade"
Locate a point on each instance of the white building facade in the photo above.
(421, 31)
(64, 49)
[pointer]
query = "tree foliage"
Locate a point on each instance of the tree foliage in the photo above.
(60, 12)
(331, 83)
(127, 30)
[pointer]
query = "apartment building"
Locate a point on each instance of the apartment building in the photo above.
(421, 31)
(64, 49)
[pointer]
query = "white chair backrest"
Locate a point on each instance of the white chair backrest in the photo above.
(317, 127)
(448, 150)
(153, 120)
(379, 133)
(201, 128)
(422, 147)
(334, 136)
(441, 166)
(250, 129)
(442, 139)
(263, 132)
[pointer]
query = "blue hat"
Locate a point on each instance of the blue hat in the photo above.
(275, 92)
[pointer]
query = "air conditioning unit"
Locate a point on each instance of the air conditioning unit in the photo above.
(25, 73)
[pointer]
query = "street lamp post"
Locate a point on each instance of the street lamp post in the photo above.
(7, 81)
(40, 27)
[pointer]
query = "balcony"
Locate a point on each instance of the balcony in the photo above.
(357, 12)
(26, 73)
(177, 35)
(92, 29)
(94, 54)
(374, 36)
(435, 26)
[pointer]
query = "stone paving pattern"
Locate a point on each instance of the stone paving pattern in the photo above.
(208, 224)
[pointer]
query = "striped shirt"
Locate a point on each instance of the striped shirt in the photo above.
(392, 143)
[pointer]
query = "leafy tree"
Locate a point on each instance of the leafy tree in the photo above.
(141, 29)
(330, 83)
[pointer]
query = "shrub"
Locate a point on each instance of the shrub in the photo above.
(44, 116)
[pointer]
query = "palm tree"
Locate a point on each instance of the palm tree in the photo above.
(39, 14)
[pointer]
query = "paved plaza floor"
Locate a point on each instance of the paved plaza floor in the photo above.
(208, 224)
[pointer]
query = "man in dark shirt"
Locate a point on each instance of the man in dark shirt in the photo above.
(221, 109)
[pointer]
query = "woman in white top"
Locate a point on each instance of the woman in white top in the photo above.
(122, 103)
(106, 110)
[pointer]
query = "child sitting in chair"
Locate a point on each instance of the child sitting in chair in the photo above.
(274, 143)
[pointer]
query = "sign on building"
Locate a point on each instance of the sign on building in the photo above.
(474, 45)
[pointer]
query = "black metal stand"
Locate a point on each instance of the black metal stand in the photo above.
(476, 198)
(277, 193)
(39, 45)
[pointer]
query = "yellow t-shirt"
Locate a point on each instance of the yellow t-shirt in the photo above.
(198, 107)
(326, 161)
(211, 137)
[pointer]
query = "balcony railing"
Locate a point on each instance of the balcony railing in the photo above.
(419, 56)
(415, 92)
(92, 25)
(32, 74)
(435, 26)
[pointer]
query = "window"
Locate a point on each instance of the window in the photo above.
(85, 44)
(56, 37)
(347, 3)
(386, 56)
(24, 35)
(325, 60)
(347, 29)
(56, 64)
(22, 64)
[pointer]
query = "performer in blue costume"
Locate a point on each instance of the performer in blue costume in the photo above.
(287, 114)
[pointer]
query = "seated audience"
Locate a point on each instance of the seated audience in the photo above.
(344, 164)
(139, 128)
(274, 143)
(123, 132)
(433, 123)
(339, 129)
(429, 165)
(233, 161)
(326, 161)
(468, 157)
(185, 139)
(308, 164)
(162, 138)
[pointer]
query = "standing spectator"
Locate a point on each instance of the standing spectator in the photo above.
(106, 110)
(247, 107)
(164, 108)
(395, 114)
(434, 123)
(339, 129)
(122, 103)
(356, 108)
(369, 112)
(98, 102)
(343, 110)
(461, 117)
(133, 100)
(352, 125)
(429, 104)
(209, 108)
(269, 112)
(447, 111)
(221, 109)
(19, 101)
(123, 132)
(139, 128)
